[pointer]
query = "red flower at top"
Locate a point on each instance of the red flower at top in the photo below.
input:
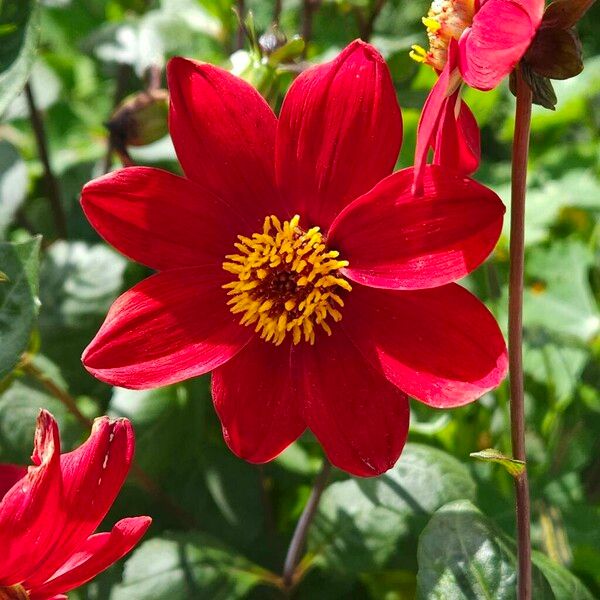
(49, 512)
(476, 41)
(296, 268)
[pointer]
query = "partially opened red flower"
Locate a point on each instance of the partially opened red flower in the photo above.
(296, 268)
(49, 512)
(478, 42)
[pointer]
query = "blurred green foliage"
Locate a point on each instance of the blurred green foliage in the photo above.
(438, 525)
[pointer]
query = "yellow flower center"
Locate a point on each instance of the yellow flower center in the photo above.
(445, 20)
(15, 592)
(287, 281)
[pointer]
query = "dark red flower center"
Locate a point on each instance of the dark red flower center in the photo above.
(287, 281)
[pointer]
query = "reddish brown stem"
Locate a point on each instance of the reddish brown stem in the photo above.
(515, 327)
(52, 189)
(298, 541)
(308, 11)
(120, 89)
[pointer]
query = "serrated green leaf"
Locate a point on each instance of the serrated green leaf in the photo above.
(362, 524)
(19, 302)
(13, 184)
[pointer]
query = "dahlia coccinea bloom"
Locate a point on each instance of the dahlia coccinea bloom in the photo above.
(296, 268)
(478, 42)
(49, 512)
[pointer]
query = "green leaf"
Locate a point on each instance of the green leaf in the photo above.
(13, 184)
(559, 298)
(18, 299)
(184, 566)
(564, 584)
(512, 465)
(19, 34)
(20, 405)
(462, 556)
(363, 524)
(79, 282)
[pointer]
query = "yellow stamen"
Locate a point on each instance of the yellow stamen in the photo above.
(286, 281)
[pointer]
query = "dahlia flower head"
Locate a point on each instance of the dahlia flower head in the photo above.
(49, 512)
(293, 264)
(476, 42)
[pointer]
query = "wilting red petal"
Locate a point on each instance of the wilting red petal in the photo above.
(9, 475)
(30, 515)
(360, 419)
(256, 399)
(92, 476)
(458, 142)
(95, 555)
(159, 219)
(224, 135)
(395, 240)
(429, 121)
(441, 346)
(339, 133)
(170, 327)
(501, 33)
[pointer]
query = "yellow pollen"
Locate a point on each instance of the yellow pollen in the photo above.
(286, 281)
(445, 20)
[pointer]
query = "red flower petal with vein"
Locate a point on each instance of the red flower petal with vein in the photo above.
(49, 515)
(269, 253)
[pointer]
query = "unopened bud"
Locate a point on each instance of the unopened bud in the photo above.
(140, 119)
(272, 39)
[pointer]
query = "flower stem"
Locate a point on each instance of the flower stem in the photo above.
(299, 538)
(515, 326)
(52, 189)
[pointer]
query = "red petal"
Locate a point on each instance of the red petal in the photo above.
(339, 133)
(159, 219)
(360, 419)
(394, 240)
(429, 121)
(9, 475)
(255, 397)
(499, 37)
(224, 135)
(30, 515)
(458, 143)
(170, 327)
(95, 555)
(93, 475)
(441, 346)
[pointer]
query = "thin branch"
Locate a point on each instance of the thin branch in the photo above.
(52, 189)
(154, 78)
(298, 541)
(241, 33)
(120, 89)
(366, 25)
(277, 6)
(515, 327)
(309, 7)
(144, 480)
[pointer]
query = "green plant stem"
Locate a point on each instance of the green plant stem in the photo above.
(299, 538)
(52, 189)
(515, 327)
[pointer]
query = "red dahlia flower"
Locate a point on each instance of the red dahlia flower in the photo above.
(476, 41)
(49, 512)
(317, 290)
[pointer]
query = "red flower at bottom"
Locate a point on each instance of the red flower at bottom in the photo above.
(49, 512)
(297, 268)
